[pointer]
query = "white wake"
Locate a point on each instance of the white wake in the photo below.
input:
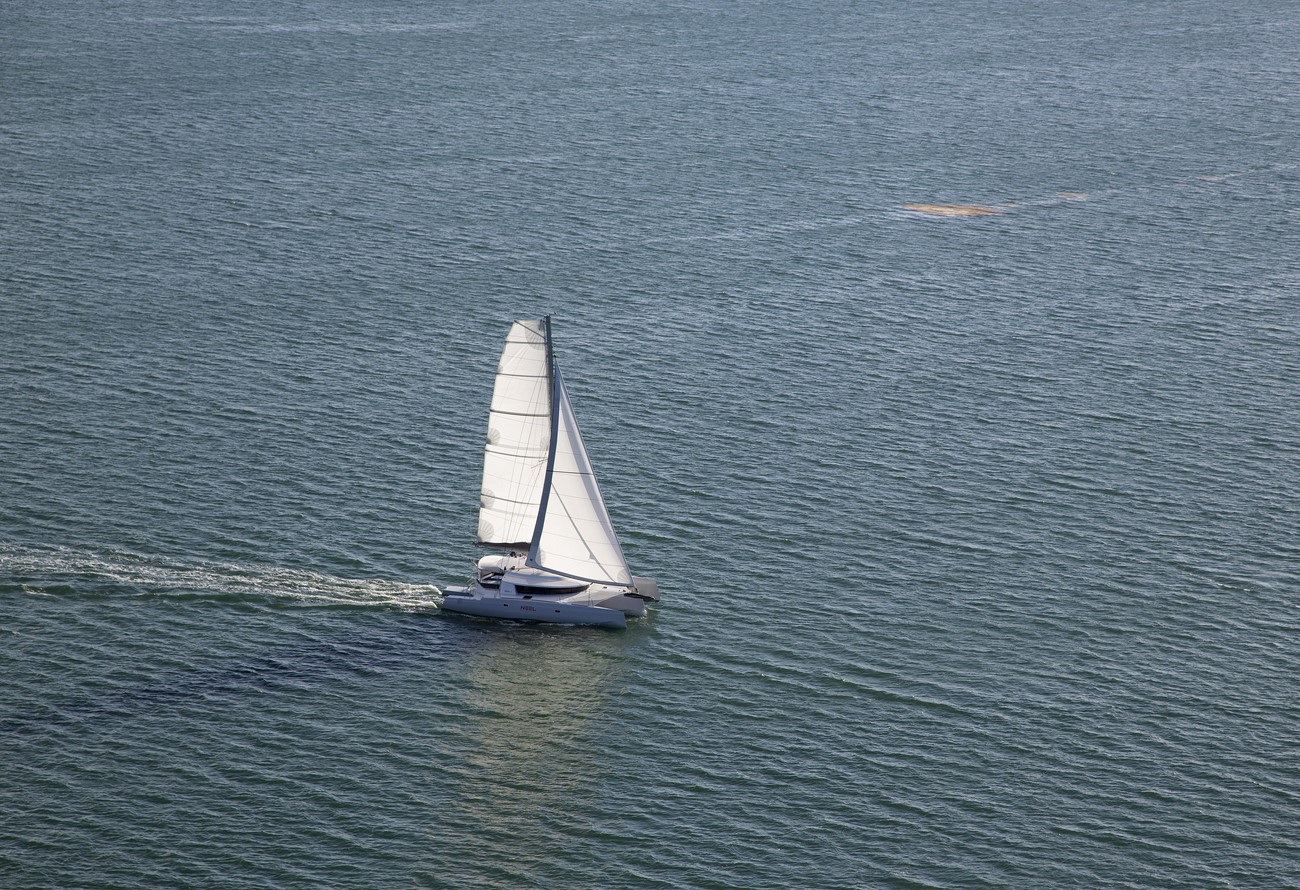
(36, 568)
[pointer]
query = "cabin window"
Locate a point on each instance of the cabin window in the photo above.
(524, 590)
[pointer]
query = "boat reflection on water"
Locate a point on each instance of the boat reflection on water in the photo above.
(529, 768)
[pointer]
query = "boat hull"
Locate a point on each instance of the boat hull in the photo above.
(535, 609)
(630, 606)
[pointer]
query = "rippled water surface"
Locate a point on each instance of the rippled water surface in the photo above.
(939, 359)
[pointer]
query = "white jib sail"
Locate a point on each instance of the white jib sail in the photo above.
(518, 441)
(574, 534)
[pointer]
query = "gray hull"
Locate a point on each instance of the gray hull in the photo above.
(519, 609)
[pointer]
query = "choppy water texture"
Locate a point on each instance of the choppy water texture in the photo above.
(940, 359)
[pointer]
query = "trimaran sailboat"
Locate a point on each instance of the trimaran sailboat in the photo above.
(540, 504)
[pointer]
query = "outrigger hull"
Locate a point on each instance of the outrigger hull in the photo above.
(538, 609)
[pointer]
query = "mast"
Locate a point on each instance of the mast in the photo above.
(554, 392)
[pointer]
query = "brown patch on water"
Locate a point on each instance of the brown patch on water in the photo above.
(953, 209)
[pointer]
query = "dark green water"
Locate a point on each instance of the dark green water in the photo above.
(977, 535)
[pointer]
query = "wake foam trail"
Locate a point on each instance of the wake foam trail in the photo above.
(33, 569)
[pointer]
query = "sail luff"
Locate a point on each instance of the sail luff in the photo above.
(554, 393)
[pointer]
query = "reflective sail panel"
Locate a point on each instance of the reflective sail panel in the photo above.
(518, 440)
(574, 534)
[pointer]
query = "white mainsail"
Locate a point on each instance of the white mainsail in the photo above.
(574, 534)
(518, 441)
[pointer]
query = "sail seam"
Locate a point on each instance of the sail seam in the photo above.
(502, 499)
